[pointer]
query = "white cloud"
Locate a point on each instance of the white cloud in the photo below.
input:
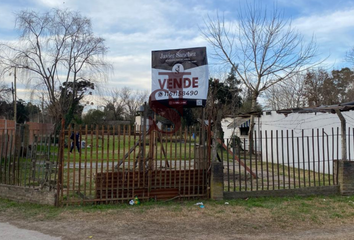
(133, 29)
(333, 33)
(324, 25)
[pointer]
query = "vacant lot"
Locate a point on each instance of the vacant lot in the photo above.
(263, 218)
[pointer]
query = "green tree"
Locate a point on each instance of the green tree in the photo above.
(71, 95)
(32, 110)
(247, 107)
(313, 83)
(7, 110)
(24, 110)
(94, 117)
(235, 101)
(323, 88)
(188, 118)
(344, 84)
(5, 91)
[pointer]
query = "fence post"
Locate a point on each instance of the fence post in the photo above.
(345, 170)
(217, 181)
(60, 163)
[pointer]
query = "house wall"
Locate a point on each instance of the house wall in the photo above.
(228, 132)
(307, 137)
(139, 124)
(321, 142)
(7, 133)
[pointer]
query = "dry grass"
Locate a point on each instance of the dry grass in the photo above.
(265, 218)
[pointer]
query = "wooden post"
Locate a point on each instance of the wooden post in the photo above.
(60, 165)
(216, 136)
(144, 135)
(152, 144)
(202, 140)
(344, 134)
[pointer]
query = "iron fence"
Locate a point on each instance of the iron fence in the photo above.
(282, 160)
(28, 158)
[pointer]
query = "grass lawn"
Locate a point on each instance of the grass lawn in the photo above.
(239, 219)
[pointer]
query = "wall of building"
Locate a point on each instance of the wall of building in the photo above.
(307, 137)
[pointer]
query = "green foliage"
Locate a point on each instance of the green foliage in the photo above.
(247, 104)
(234, 88)
(94, 117)
(188, 118)
(71, 95)
(224, 95)
(24, 110)
(323, 88)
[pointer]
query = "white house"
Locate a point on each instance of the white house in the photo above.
(310, 136)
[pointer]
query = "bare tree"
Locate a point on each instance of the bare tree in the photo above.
(132, 100)
(261, 46)
(114, 106)
(287, 94)
(125, 102)
(5, 91)
(60, 52)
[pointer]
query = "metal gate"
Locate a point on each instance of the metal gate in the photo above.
(107, 164)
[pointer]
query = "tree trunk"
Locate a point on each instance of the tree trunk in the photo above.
(217, 131)
(251, 128)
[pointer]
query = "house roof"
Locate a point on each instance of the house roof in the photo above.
(239, 122)
(324, 108)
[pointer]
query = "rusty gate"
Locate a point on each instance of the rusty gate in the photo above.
(107, 164)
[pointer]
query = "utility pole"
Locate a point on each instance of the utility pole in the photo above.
(15, 97)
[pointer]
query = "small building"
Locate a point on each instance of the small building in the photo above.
(312, 132)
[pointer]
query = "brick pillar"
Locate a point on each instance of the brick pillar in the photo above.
(217, 181)
(345, 171)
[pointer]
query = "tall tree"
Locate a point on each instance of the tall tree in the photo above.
(287, 94)
(124, 103)
(247, 104)
(5, 91)
(94, 117)
(344, 82)
(71, 95)
(225, 94)
(262, 47)
(56, 48)
(24, 110)
(320, 88)
(233, 85)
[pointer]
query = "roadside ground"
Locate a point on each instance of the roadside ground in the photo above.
(262, 218)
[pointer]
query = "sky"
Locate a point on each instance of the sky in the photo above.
(132, 29)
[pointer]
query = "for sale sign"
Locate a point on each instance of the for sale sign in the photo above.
(180, 77)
